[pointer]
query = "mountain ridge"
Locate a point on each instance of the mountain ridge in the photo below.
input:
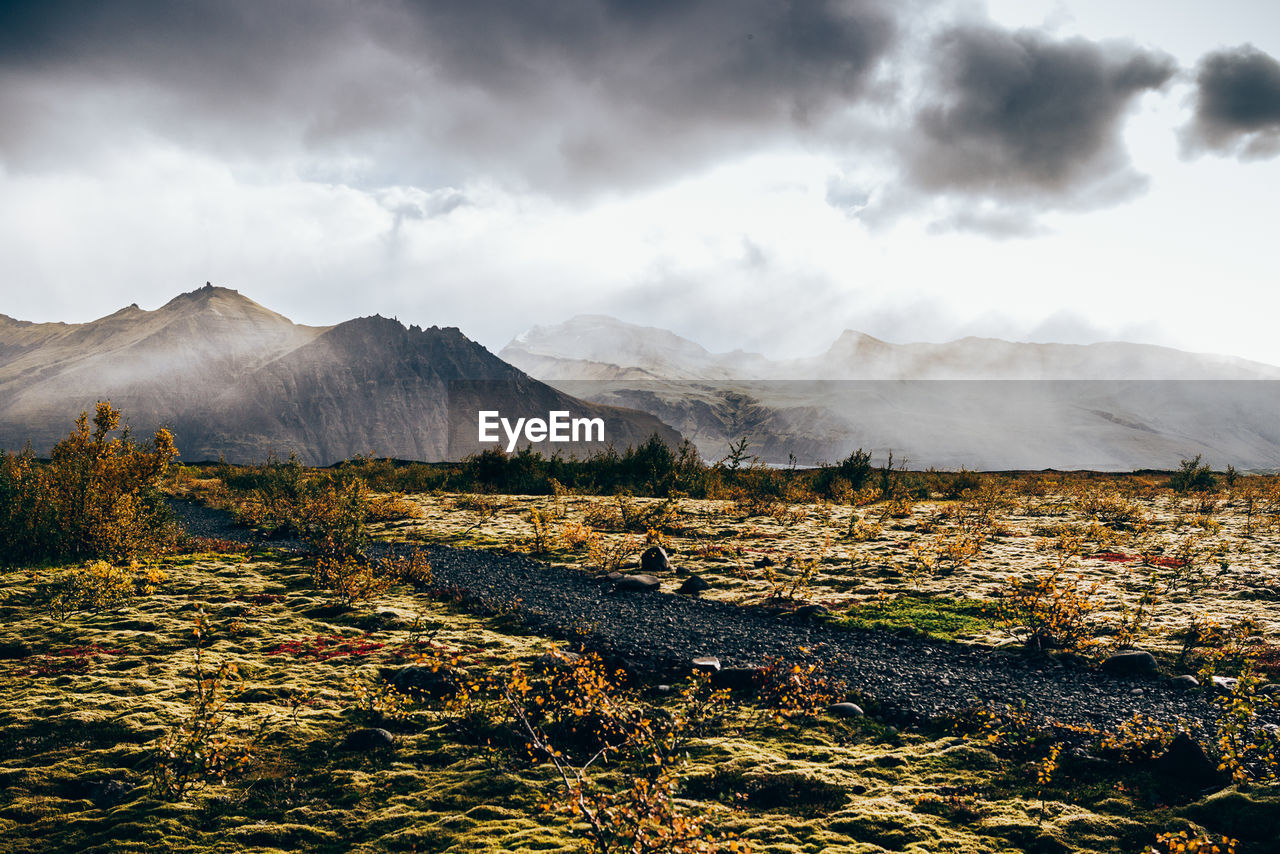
(233, 378)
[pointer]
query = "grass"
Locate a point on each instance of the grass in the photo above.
(940, 617)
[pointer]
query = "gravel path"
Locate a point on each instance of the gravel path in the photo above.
(909, 678)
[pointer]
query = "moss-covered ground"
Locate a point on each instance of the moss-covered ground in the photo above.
(86, 700)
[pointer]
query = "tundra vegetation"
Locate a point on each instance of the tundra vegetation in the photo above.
(163, 691)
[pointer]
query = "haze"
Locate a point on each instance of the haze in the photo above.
(747, 174)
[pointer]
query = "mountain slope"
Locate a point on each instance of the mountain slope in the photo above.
(980, 403)
(233, 378)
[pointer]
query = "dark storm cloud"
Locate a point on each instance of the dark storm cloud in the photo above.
(553, 93)
(1237, 104)
(573, 96)
(1019, 116)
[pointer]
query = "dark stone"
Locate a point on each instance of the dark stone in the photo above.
(846, 710)
(763, 562)
(638, 583)
(1184, 765)
(1133, 662)
(1185, 682)
(694, 584)
(371, 738)
(736, 678)
(426, 681)
(654, 560)
(808, 612)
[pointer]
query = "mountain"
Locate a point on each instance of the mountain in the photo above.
(233, 378)
(604, 348)
(975, 402)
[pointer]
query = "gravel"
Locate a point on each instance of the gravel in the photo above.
(908, 679)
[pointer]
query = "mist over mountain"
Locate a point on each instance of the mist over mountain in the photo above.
(975, 402)
(601, 347)
(233, 378)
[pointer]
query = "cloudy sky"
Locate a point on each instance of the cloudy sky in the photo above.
(754, 173)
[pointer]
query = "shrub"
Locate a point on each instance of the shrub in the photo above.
(1191, 476)
(96, 498)
(350, 579)
(98, 586)
(1048, 611)
(1197, 843)
(376, 701)
(201, 749)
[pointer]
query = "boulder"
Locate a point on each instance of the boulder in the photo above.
(1185, 765)
(1132, 662)
(846, 710)
(809, 611)
(1185, 682)
(638, 583)
(1224, 684)
(694, 584)
(424, 680)
(736, 678)
(371, 738)
(654, 560)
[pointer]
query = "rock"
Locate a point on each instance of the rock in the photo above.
(766, 561)
(1224, 684)
(653, 560)
(736, 678)
(394, 618)
(424, 680)
(694, 584)
(1185, 682)
(1133, 662)
(371, 738)
(1270, 690)
(846, 710)
(808, 612)
(614, 576)
(1184, 765)
(638, 583)
(706, 664)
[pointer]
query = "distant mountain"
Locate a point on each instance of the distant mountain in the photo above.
(233, 378)
(980, 403)
(600, 347)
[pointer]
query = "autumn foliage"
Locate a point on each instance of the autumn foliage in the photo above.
(96, 498)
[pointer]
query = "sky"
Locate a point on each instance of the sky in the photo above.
(759, 174)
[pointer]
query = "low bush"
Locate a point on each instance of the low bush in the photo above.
(95, 498)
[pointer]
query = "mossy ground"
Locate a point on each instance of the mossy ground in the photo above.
(84, 700)
(863, 555)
